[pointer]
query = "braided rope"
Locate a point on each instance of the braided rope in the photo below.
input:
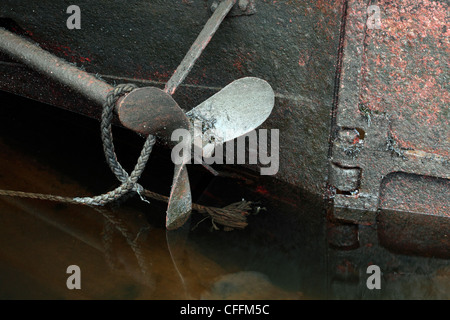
(129, 182)
(106, 130)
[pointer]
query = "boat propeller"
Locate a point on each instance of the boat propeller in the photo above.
(237, 109)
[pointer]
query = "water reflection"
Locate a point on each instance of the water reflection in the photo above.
(124, 250)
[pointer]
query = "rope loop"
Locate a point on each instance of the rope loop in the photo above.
(129, 181)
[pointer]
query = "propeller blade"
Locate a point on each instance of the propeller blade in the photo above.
(180, 201)
(237, 109)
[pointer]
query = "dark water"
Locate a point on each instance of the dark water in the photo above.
(124, 251)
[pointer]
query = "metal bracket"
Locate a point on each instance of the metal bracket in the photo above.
(241, 8)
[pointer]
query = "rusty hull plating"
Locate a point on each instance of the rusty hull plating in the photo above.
(391, 111)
